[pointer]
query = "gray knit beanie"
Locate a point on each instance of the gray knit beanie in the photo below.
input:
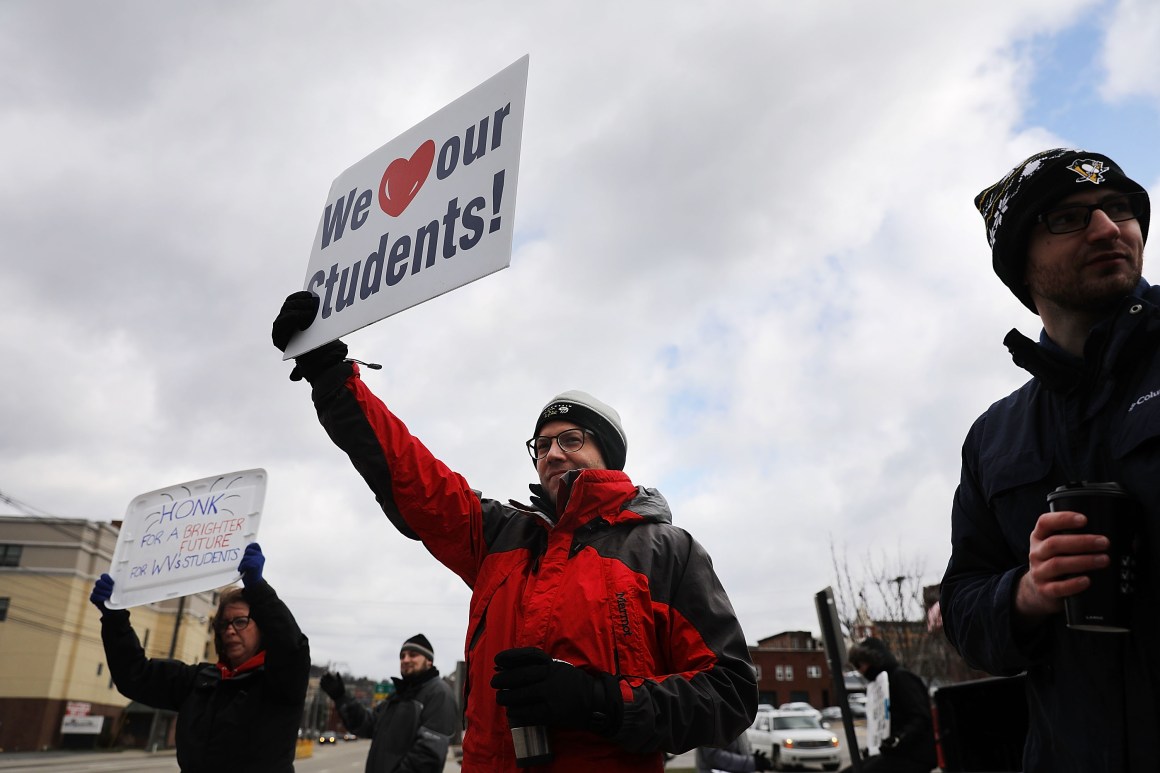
(584, 410)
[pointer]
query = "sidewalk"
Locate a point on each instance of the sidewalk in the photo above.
(55, 757)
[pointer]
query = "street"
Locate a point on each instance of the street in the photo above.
(343, 757)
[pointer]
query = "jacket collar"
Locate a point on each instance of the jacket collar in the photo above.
(1060, 371)
(606, 494)
(404, 684)
(253, 664)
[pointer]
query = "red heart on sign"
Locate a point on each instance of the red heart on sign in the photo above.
(403, 179)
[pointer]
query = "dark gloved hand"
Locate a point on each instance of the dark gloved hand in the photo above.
(537, 690)
(102, 592)
(761, 762)
(314, 362)
(332, 685)
(251, 565)
(297, 312)
(890, 743)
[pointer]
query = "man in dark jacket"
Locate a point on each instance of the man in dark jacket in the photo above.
(591, 615)
(909, 745)
(242, 713)
(1067, 230)
(412, 729)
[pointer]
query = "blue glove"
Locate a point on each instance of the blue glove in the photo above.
(102, 592)
(251, 565)
(537, 690)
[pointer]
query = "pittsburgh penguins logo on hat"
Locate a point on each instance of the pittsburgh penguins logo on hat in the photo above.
(1089, 170)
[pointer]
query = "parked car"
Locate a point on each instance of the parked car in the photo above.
(327, 736)
(857, 711)
(794, 738)
(801, 706)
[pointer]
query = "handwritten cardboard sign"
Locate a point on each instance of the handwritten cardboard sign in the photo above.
(186, 538)
(430, 211)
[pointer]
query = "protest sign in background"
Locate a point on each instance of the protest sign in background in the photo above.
(429, 211)
(186, 538)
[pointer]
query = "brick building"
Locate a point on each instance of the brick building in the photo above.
(791, 666)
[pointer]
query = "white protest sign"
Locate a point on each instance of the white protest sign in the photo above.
(877, 712)
(430, 211)
(186, 538)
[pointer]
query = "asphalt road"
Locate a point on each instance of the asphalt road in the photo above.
(343, 757)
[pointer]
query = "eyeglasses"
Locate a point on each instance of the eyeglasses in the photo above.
(1075, 217)
(239, 624)
(570, 441)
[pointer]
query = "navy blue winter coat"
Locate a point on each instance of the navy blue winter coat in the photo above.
(1092, 697)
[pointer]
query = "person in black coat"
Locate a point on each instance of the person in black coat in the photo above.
(412, 729)
(240, 714)
(910, 746)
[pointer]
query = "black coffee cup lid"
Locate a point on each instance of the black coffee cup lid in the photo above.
(1087, 488)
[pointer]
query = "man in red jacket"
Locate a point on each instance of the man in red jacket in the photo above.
(591, 615)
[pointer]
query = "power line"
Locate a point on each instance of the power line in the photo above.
(24, 507)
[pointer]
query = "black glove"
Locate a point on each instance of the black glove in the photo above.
(297, 313)
(251, 565)
(761, 762)
(316, 361)
(890, 743)
(537, 690)
(102, 592)
(332, 685)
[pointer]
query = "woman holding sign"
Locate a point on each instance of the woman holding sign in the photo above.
(240, 714)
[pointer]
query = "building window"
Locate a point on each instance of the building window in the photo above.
(4, 609)
(10, 555)
(757, 668)
(814, 672)
(789, 673)
(779, 673)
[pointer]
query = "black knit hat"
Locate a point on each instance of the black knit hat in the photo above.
(1010, 207)
(418, 643)
(584, 410)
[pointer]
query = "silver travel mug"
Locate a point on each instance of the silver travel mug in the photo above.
(532, 745)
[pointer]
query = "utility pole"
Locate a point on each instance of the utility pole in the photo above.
(901, 604)
(155, 725)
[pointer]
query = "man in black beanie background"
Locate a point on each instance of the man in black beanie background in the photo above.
(592, 616)
(1067, 230)
(411, 730)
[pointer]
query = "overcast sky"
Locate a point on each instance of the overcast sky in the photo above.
(747, 226)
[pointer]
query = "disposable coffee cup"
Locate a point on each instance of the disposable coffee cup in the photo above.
(532, 745)
(1106, 604)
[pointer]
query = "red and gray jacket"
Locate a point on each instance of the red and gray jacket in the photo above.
(611, 586)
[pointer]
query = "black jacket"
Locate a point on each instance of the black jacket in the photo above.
(411, 730)
(247, 724)
(1092, 697)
